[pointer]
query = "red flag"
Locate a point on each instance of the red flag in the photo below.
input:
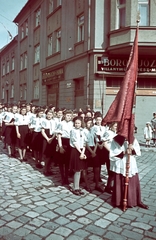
(121, 108)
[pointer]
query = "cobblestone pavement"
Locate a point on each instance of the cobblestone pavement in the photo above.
(34, 207)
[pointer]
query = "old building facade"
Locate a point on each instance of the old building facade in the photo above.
(73, 53)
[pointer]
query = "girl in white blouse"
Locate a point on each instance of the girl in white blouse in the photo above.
(78, 157)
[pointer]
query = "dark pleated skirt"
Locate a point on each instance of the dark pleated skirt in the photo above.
(76, 164)
(37, 142)
(65, 157)
(102, 155)
(49, 150)
(10, 135)
(23, 141)
(93, 161)
(134, 192)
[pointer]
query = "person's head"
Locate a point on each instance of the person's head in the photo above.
(88, 122)
(81, 114)
(67, 115)
(59, 112)
(98, 119)
(28, 107)
(88, 114)
(49, 114)
(39, 112)
(23, 110)
(14, 109)
(148, 124)
(77, 122)
(113, 126)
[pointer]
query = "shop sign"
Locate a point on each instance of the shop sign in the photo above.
(105, 64)
(53, 76)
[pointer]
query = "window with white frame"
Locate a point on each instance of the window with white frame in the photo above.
(21, 62)
(13, 63)
(58, 41)
(12, 90)
(51, 6)
(36, 90)
(37, 53)
(3, 69)
(25, 60)
(21, 92)
(121, 18)
(37, 17)
(7, 67)
(3, 93)
(143, 7)
(50, 45)
(59, 2)
(80, 36)
(22, 31)
(26, 28)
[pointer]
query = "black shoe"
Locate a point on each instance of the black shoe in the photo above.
(88, 189)
(80, 191)
(100, 189)
(24, 159)
(142, 205)
(108, 190)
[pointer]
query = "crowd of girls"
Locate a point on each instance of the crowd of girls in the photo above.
(74, 141)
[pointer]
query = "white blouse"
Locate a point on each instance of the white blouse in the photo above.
(21, 120)
(89, 134)
(64, 128)
(99, 132)
(49, 124)
(77, 136)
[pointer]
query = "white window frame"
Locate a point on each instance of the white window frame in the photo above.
(37, 54)
(25, 60)
(144, 21)
(22, 32)
(21, 62)
(51, 6)
(7, 66)
(80, 33)
(3, 69)
(12, 90)
(36, 89)
(58, 40)
(13, 63)
(119, 21)
(50, 45)
(37, 17)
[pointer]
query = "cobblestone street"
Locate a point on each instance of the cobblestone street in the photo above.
(34, 207)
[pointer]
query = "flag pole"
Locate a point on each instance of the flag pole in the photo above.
(129, 150)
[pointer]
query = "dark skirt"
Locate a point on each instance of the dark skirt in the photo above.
(49, 149)
(37, 142)
(102, 155)
(10, 135)
(65, 157)
(93, 161)
(134, 192)
(23, 141)
(77, 164)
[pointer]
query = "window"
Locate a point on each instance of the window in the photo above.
(37, 53)
(37, 17)
(13, 63)
(143, 6)
(3, 93)
(121, 13)
(113, 82)
(50, 45)
(79, 87)
(25, 60)
(25, 92)
(22, 32)
(21, 92)
(58, 41)
(80, 28)
(3, 69)
(12, 90)
(51, 6)
(59, 2)
(21, 62)
(146, 83)
(36, 90)
(26, 28)
(7, 70)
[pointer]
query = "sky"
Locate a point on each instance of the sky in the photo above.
(9, 9)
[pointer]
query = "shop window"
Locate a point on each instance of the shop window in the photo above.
(121, 19)
(146, 83)
(143, 7)
(79, 87)
(80, 36)
(113, 82)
